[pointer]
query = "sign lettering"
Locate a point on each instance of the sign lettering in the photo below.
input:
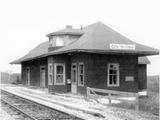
(122, 46)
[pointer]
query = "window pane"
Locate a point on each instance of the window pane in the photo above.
(115, 67)
(111, 66)
(113, 71)
(81, 74)
(113, 74)
(110, 79)
(59, 42)
(59, 69)
(115, 79)
(81, 79)
(81, 69)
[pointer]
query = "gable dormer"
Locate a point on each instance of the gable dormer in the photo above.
(63, 37)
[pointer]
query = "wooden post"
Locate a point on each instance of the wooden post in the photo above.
(137, 103)
(109, 98)
(87, 92)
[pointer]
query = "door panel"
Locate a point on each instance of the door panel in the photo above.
(28, 77)
(42, 77)
(74, 78)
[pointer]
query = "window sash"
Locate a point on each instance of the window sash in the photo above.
(59, 41)
(61, 80)
(80, 74)
(111, 80)
(50, 74)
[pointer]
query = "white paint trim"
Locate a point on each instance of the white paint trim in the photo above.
(50, 81)
(118, 75)
(74, 84)
(55, 73)
(81, 63)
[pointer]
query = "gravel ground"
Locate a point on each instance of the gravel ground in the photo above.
(7, 113)
(37, 111)
(79, 106)
(4, 115)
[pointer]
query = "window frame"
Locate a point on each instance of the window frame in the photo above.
(55, 73)
(59, 42)
(118, 75)
(50, 72)
(79, 84)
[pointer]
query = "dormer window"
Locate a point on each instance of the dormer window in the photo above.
(63, 37)
(59, 41)
(56, 41)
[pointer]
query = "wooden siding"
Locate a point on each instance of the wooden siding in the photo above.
(97, 71)
(61, 59)
(81, 58)
(34, 66)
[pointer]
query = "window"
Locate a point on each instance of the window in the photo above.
(56, 41)
(59, 41)
(81, 74)
(50, 74)
(59, 77)
(113, 75)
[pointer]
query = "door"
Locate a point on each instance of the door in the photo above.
(28, 77)
(42, 77)
(74, 78)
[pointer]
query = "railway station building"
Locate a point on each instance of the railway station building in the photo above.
(94, 56)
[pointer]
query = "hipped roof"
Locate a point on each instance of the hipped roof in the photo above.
(67, 31)
(95, 38)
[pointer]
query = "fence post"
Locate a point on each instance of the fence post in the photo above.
(137, 102)
(109, 98)
(87, 92)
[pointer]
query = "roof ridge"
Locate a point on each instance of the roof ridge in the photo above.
(97, 38)
(93, 29)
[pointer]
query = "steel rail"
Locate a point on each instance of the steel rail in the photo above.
(33, 102)
(20, 111)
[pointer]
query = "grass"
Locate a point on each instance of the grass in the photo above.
(149, 103)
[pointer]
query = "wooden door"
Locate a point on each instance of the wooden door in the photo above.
(74, 78)
(42, 77)
(28, 77)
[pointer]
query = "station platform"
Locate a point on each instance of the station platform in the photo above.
(73, 104)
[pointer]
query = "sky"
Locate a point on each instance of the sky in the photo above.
(25, 23)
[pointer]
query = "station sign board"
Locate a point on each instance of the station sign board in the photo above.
(122, 46)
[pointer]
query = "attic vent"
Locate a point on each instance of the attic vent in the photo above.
(69, 26)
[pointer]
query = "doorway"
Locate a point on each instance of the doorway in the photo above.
(28, 76)
(42, 77)
(74, 78)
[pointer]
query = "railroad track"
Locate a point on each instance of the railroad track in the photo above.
(25, 115)
(34, 110)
